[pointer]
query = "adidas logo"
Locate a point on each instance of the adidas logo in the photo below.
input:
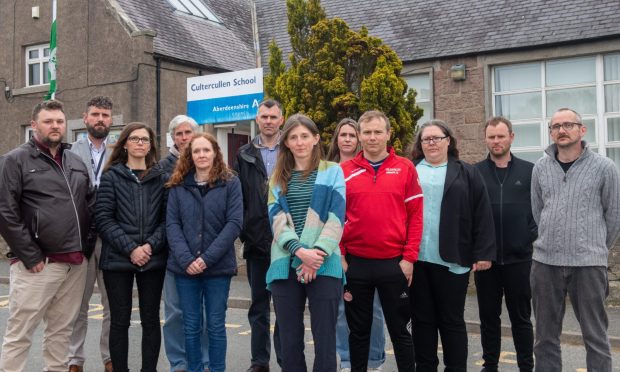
(404, 295)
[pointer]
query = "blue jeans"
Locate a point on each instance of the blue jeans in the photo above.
(205, 298)
(376, 357)
(174, 337)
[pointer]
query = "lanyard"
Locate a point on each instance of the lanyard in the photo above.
(98, 167)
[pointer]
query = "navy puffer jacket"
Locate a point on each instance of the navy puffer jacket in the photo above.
(129, 213)
(204, 221)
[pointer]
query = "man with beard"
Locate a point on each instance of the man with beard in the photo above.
(45, 219)
(508, 180)
(576, 204)
(92, 150)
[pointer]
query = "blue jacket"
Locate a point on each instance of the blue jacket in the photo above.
(204, 224)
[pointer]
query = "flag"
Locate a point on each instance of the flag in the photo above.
(52, 63)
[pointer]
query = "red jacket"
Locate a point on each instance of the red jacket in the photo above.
(384, 210)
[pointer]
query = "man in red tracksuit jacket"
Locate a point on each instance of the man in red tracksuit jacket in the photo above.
(381, 239)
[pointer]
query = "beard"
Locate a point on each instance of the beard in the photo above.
(47, 141)
(98, 131)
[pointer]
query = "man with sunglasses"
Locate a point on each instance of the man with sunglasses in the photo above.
(576, 204)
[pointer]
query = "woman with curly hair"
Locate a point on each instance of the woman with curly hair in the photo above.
(204, 218)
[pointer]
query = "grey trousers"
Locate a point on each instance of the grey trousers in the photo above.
(587, 288)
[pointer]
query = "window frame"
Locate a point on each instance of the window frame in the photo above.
(418, 100)
(41, 61)
(600, 117)
(200, 11)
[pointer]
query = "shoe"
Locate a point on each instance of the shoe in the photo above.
(76, 368)
(345, 370)
(258, 369)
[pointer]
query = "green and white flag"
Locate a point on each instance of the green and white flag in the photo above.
(52, 64)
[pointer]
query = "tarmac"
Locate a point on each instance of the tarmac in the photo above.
(571, 334)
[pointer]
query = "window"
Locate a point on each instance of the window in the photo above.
(422, 85)
(529, 93)
(194, 7)
(28, 133)
(37, 65)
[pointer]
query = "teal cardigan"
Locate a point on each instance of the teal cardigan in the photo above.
(323, 227)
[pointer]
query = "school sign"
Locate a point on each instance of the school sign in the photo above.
(227, 97)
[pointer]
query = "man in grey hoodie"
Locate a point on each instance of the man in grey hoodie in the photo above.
(576, 204)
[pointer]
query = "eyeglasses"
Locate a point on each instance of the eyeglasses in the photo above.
(135, 139)
(567, 125)
(428, 140)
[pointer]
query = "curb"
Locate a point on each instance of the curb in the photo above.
(473, 326)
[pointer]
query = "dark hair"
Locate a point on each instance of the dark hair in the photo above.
(119, 154)
(219, 170)
(495, 121)
(49, 105)
(333, 154)
(269, 103)
(102, 102)
(417, 152)
(374, 114)
(286, 161)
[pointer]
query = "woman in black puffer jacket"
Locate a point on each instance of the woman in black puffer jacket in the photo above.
(130, 216)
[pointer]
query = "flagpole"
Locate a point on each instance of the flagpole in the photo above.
(52, 62)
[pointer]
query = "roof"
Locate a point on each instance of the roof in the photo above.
(226, 46)
(428, 29)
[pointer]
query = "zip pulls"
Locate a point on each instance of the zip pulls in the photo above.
(64, 175)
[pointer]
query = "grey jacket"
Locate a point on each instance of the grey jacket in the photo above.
(82, 149)
(44, 209)
(577, 212)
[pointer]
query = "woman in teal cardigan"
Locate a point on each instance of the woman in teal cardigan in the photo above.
(306, 211)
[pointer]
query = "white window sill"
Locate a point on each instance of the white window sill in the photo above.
(30, 90)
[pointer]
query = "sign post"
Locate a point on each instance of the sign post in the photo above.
(226, 97)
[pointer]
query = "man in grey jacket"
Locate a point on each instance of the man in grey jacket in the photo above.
(94, 153)
(576, 204)
(45, 219)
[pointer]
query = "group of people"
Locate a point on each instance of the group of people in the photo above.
(364, 236)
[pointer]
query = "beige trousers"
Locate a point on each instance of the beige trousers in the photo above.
(53, 295)
(76, 345)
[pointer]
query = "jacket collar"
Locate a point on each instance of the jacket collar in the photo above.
(361, 161)
(552, 149)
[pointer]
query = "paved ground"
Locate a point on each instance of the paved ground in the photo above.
(238, 335)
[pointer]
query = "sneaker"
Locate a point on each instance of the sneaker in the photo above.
(345, 370)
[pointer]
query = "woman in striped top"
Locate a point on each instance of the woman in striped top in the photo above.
(306, 211)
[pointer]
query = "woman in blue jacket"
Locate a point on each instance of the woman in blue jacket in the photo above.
(204, 218)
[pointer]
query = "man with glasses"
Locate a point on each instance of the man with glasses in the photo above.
(508, 181)
(576, 204)
(94, 153)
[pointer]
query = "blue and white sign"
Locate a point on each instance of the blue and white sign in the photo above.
(227, 97)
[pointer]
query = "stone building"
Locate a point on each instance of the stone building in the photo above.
(468, 60)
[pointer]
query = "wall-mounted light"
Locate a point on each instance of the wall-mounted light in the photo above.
(458, 72)
(35, 12)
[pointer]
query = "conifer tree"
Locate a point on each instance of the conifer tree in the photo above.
(336, 72)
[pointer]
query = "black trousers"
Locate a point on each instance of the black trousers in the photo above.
(386, 276)
(513, 282)
(120, 290)
(259, 313)
(289, 300)
(438, 305)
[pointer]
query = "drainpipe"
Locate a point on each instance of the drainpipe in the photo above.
(158, 101)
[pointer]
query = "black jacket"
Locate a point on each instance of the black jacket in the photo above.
(512, 209)
(130, 213)
(168, 164)
(256, 232)
(466, 233)
(44, 209)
